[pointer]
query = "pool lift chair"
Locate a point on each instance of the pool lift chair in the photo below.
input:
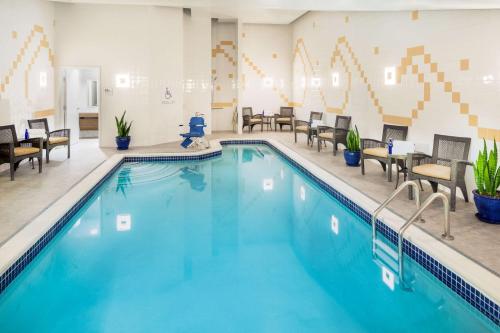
(196, 135)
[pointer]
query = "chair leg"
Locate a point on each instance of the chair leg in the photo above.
(12, 169)
(69, 150)
(296, 138)
(362, 166)
(32, 160)
(463, 188)
(47, 152)
(421, 186)
(434, 186)
(40, 164)
(335, 148)
(384, 166)
(319, 144)
(453, 198)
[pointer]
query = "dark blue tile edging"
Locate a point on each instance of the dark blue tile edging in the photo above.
(473, 296)
(470, 294)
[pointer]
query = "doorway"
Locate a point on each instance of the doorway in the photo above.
(81, 102)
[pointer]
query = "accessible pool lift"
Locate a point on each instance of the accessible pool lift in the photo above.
(196, 135)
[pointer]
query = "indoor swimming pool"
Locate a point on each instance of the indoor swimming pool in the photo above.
(242, 242)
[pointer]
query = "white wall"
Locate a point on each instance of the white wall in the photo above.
(197, 66)
(224, 75)
(266, 53)
(452, 99)
(144, 41)
(26, 50)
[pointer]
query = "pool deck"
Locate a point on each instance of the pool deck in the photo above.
(24, 199)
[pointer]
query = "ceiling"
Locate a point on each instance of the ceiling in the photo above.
(286, 11)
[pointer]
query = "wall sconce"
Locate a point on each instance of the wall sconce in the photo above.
(487, 79)
(123, 222)
(122, 80)
(390, 75)
(335, 79)
(43, 79)
(268, 184)
(268, 82)
(334, 225)
(316, 82)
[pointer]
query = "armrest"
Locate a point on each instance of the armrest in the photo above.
(414, 159)
(7, 149)
(324, 128)
(372, 143)
(458, 167)
(301, 123)
(60, 132)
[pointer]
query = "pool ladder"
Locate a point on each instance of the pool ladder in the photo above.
(415, 217)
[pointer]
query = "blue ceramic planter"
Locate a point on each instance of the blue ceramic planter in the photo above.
(122, 142)
(488, 208)
(352, 157)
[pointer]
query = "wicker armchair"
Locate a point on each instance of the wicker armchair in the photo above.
(13, 151)
(335, 135)
(377, 150)
(250, 120)
(285, 117)
(54, 139)
(302, 126)
(446, 166)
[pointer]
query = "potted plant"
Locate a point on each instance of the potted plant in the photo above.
(123, 129)
(352, 153)
(487, 176)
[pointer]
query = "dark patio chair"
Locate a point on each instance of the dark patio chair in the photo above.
(250, 120)
(284, 118)
(377, 150)
(302, 126)
(335, 135)
(13, 151)
(446, 166)
(54, 139)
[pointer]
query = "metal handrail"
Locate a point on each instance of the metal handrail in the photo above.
(446, 234)
(401, 187)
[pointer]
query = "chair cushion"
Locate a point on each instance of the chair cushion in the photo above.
(377, 151)
(326, 135)
(303, 128)
(20, 151)
(283, 119)
(433, 170)
(58, 139)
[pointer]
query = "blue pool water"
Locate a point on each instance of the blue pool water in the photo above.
(239, 243)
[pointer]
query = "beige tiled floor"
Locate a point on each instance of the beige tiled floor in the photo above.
(26, 197)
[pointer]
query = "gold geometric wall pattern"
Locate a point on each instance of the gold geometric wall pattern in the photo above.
(406, 63)
(21, 54)
(261, 74)
(219, 49)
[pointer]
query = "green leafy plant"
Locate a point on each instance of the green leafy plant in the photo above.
(122, 126)
(353, 140)
(487, 171)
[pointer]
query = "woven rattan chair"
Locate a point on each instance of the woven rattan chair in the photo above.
(446, 166)
(377, 150)
(335, 135)
(13, 151)
(284, 118)
(302, 126)
(54, 139)
(250, 120)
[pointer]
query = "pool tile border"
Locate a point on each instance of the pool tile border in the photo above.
(454, 282)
